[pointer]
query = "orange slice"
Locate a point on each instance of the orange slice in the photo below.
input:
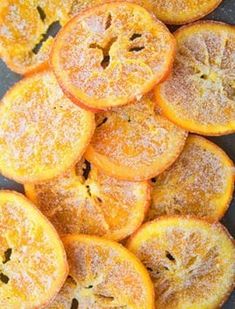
(111, 54)
(169, 11)
(135, 142)
(191, 262)
(42, 133)
(32, 258)
(199, 183)
(89, 202)
(23, 25)
(199, 96)
(104, 274)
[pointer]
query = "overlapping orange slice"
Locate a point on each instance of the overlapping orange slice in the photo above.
(111, 54)
(135, 142)
(23, 26)
(33, 264)
(87, 201)
(200, 94)
(103, 274)
(42, 133)
(199, 183)
(191, 262)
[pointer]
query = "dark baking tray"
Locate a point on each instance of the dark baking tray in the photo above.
(225, 13)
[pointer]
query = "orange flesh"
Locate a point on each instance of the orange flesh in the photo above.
(42, 133)
(199, 183)
(135, 142)
(111, 54)
(33, 263)
(22, 28)
(93, 204)
(191, 262)
(104, 275)
(199, 96)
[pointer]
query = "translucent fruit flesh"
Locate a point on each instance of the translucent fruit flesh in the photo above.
(87, 201)
(191, 262)
(199, 183)
(33, 264)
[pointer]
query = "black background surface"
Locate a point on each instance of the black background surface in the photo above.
(225, 13)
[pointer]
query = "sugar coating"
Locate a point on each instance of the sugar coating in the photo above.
(190, 264)
(107, 31)
(40, 129)
(21, 29)
(195, 184)
(104, 277)
(137, 136)
(201, 88)
(34, 267)
(99, 205)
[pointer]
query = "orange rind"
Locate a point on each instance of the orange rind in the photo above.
(86, 201)
(199, 183)
(135, 142)
(33, 260)
(103, 274)
(111, 54)
(191, 262)
(23, 25)
(199, 95)
(42, 133)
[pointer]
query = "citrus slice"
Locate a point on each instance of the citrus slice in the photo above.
(200, 94)
(199, 183)
(191, 262)
(33, 264)
(103, 274)
(42, 133)
(23, 26)
(111, 54)
(87, 201)
(169, 11)
(135, 142)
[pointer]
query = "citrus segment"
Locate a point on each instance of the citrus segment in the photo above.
(42, 133)
(89, 202)
(191, 262)
(199, 96)
(23, 25)
(33, 264)
(199, 183)
(135, 142)
(104, 274)
(111, 54)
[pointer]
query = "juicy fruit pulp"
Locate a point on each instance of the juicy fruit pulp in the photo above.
(191, 262)
(199, 96)
(33, 263)
(42, 133)
(103, 274)
(111, 54)
(87, 201)
(135, 142)
(199, 183)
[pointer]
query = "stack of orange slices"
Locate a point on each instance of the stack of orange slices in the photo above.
(100, 135)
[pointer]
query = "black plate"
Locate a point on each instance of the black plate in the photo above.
(225, 13)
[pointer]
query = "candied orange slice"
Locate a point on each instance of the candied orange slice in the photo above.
(111, 54)
(32, 258)
(42, 133)
(135, 142)
(169, 11)
(103, 274)
(200, 94)
(87, 201)
(23, 26)
(199, 183)
(191, 262)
